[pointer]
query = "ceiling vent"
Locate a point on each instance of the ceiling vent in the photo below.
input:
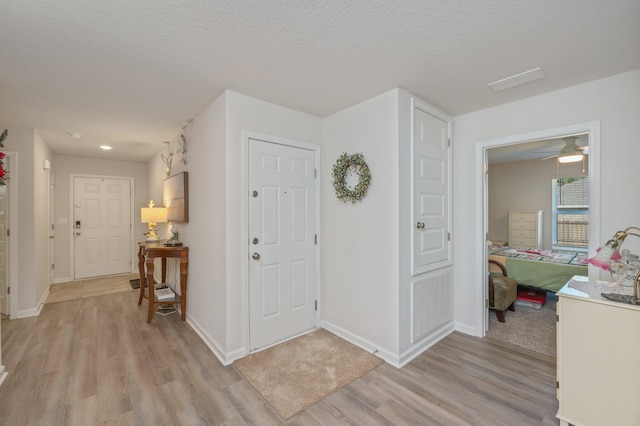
(517, 80)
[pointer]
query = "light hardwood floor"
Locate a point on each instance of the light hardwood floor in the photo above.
(91, 287)
(97, 361)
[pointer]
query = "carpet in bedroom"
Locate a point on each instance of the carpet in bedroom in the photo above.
(527, 327)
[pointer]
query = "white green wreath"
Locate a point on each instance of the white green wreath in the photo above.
(357, 164)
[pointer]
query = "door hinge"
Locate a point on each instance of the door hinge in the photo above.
(8, 232)
(8, 290)
(486, 303)
(448, 236)
(52, 226)
(316, 305)
(449, 142)
(557, 385)
(316, 238)
(52, 266)
(557, 318)
(315, 173)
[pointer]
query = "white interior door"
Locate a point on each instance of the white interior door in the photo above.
(430, 191)
(101, 226)
(51, 227)
(5, 305)
(282, 247)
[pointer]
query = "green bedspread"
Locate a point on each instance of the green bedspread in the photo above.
(545, 269)
(547, 276)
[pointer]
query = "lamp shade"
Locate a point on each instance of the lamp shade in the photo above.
(605, 254)
(570, 153)
(153, 214)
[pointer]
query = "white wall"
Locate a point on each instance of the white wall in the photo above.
(613, 101)
(524, 185)
(360, 241)
(245, 114)
(155, 173)
(41, 217)
(21, 140)
(206, 232)
(216, 233)
(32, 233)
(65, 165)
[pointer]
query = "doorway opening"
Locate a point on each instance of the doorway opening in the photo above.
(490, 222)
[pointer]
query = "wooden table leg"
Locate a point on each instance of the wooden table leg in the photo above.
(184, 261)
(141, 271)
(151, 286)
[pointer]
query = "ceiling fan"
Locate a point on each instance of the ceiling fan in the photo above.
(571, 152)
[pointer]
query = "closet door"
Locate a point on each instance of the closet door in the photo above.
(431, 192)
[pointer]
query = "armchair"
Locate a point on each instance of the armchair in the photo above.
(503, 290)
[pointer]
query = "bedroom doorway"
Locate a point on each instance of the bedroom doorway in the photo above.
(531, 151)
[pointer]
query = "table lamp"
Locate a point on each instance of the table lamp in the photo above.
(153, 216)
(611, 252)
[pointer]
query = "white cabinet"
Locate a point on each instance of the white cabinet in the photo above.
(598, 357)
(431, 195)
(525, 228)
(431, 303)
(425, 310)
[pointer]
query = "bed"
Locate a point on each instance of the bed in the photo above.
(544, 269)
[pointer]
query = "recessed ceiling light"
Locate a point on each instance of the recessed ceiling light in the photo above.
(106, 147)
(74, 135)
(517, 80)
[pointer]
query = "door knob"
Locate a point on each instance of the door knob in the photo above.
(77, 233)
(420, 225)
(51, 236)
(255, 256)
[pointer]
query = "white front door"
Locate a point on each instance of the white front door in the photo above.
(4, 245)
(430, 192)
(101, 226)
(282, 242)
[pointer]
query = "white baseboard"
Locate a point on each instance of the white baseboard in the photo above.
(425, 343)
(42, 300)
(27, 313)
(35, 311)
(361, 342)
(225, 358)
(396, 360)
(61, 280)
(3, 374)
(467, 329)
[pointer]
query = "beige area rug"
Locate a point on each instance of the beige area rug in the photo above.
(296, 374)
(527, 327)
(90, 288)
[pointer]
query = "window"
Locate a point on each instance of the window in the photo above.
(570, 206)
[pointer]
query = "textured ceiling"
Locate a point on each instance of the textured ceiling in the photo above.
(131, 73)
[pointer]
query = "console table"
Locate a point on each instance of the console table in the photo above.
(147, 253)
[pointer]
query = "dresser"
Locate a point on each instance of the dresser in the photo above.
(598, 356)
(525, 228)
